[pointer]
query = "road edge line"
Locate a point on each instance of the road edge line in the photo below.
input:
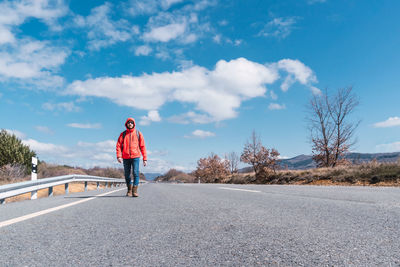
(46, 211)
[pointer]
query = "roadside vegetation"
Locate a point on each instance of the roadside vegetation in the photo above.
(331, 133)
(16, 173)
(16, 158)
(371, 173)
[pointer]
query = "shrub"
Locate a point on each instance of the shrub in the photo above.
(13, 151)
(175, 175)
(108, 172)
(12, 172)
(262, 159)
(212, 169)
(50, 170)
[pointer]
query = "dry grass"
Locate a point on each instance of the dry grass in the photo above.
(57, 190)
(15, 173)
(174, 175)
(372, 173)
(367, 174)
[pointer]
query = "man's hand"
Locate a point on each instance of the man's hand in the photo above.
(120, 160)
(144, 162)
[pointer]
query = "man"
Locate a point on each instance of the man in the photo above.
(130, 145)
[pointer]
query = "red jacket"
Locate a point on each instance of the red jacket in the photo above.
(131, 145)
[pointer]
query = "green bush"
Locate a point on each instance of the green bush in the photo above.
(13, 151)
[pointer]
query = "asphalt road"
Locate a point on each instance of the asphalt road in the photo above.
(207, 225)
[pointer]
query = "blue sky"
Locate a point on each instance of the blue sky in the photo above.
(198, 76)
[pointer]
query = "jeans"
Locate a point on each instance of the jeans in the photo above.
(128, 164)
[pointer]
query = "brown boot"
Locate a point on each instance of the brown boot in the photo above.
(135, 194)
(129, 193)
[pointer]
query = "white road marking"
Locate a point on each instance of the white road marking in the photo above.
(42, 212)
(237, 189)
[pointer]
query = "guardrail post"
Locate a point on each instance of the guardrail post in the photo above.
(34, 176)
(98, 185)
(66, 188)
(50, 191)
(85, 186)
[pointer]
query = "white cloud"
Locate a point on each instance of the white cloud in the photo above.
(88, 155)
(302, 73)
(82, 154)
(17, 133)
(162, 166)
(143, 50)
(25, 60)
(217, 92)
(391, 122)
(148, 7)
(185, 64)
(200, 134)
(279, 27)
(162, 54)
(168, 3)
(33, 62)
(85, 125)
(217, 38)
(139, 7)
(182, 25)
(40, 148)
(273, 95)
(152, 116)
(165, 33)
(103, 146)
(189, 38)
(276, 106)
(315, 90)
(6, 36)
(289, 81)
(223, 22)
(102, 30)
(238, 42)
(44, 129)
(391, 147)
(15, 13)
(297, 71)
(191, 117)
(64, 106)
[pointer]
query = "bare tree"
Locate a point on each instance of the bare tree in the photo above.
(252, 148)
(330, 128)
(342, 105)
(233, 160)
(321, 129)
(261, 158)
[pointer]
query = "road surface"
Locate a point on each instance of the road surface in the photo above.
(206, 225)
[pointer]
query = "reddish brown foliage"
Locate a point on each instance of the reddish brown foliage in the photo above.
(211, 169)
(261, 158)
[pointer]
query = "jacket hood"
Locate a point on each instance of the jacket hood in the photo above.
(130, 119)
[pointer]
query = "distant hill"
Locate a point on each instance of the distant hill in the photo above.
(303, 162)
(152, 175)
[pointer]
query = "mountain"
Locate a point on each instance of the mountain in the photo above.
(151, 175)
(302, 162)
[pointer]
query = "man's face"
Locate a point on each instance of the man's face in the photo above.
(130, 124)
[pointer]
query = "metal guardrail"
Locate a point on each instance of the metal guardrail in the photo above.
(11, 190)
